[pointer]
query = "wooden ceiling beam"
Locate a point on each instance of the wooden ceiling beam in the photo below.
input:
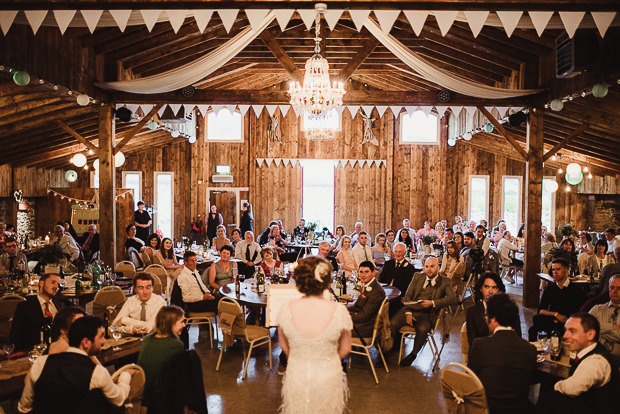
(33, 121)
(133, 131)
(35, 113)
(7, 111)
(500, 128)
(367, 48)
(565, 141)
(287, 63)
(77, 136)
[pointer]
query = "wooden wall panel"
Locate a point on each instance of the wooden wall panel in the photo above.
(6, 180)
(34, 182)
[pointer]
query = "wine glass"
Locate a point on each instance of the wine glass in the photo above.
(116, 334)
(113, 277)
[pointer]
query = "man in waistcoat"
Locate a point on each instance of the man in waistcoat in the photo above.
(248, 251)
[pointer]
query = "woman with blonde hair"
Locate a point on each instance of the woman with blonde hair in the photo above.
(345, 256)
(220, 240)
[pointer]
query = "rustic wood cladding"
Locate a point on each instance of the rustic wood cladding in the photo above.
(34, 182)
(6, 180)
(600, 185)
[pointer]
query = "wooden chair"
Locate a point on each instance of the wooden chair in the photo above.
(161, 273)
(370, 342)
(157, 285)
(108, 302)
(157, 260)
(408, 332)
(146, 259)
(464, 343)
(203, 318)
(462, 390)
(233, 327)
(134, 257)
(511, 270)
(126, 267)
(133, 403)
(8, 304)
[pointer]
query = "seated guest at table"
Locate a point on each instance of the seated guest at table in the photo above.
(66, 243)
(380, 250)
(275, 240)
(62, 383)
(608, 316)
(221, 239)
(481, 240)
(608, 271)
(472, 226)
(448, 235)
(269, 264)
(133, 242)
(365, 309)
(459, 226)
(235, 237)
(458, 239)
(153, 244)
(434, 292)
(324, 251)
(599, 259)
(486, 286)
(358, 228)
(69, 229)
(439, 230)
(397, 272)
(301, 230)
(585, 250)
(220, 273)
(548, 244)
(158, 347)
(263, 237)
(361, 251)
(137, 316)
(505, 246)
(345, 256)
(36, 311)
(558, 302)
(248, 251)
(610, 236)
(60, 328)
(426, 230)
(594, 380)
(405, 237)
(90, 243)
(168, 258)
(13, 258)
(390, 238)
(498, 232)
(340, 231)
(453, 267)
(565, 251)
(504, 362)
(281, 226)
(412, 232)
(194, 292)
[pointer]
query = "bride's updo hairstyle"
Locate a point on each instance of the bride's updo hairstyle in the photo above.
(313, 275)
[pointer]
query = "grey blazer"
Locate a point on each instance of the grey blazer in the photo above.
(443, 294)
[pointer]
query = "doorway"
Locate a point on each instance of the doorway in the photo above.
(228, 202)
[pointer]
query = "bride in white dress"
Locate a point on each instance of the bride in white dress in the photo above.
(315, 334)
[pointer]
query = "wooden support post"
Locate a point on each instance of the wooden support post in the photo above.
(107, 186)
(533, 202)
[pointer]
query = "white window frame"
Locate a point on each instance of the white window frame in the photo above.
(206, 125)
(92, 179)
(136, 197)
(155, 213)
(487, 180)
(520, 203)
(401, 126)
(553, 197)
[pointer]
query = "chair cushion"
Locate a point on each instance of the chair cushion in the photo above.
(256, 332)
(407, 330)
(192, 315)
(358, 342)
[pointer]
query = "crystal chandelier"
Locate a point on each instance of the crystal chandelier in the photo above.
(317, 96)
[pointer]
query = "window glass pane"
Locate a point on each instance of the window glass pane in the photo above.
(478, 196)
(547, 206)
(163, 204)
(512, 203)
(419, 127)
(94, 180)
(132, 181)
(224, 125)
(318, 192)
(330, 122)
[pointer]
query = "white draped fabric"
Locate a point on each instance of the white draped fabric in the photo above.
(194, 71)
(441, 76)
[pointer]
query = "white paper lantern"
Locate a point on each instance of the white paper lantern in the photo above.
(451, 142)
(79, 160)
(82, 99)
(96, 165)
(175, 133)
(468, 136)
(192, 140)
(557, 105)
(573, 169)
(119, 159)
(71, 176)
(551, 186)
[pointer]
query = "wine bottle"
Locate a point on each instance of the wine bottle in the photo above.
(237, 283)
(555, 345)
(260, 281)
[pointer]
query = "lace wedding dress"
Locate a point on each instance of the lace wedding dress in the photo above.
(314, 381)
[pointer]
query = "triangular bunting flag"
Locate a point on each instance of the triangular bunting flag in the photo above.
(119, 105)
(470, 110)
(91, 17)
(257, 110)
(269, 161)
(35, 18)
(132, 107)
(203, 109)
(359, 18)
(217, 108)
(426, 109)
(188, 108)
(307, 16)
(540, 19)
(456, 110)
(332, 17)
(176, 18)
(283, 17)
(353, 110)
(256, 17)
(510, 20)
(411, 109)
(381, 110)
(571, 21)
(340, 110)
(441, 110)
(445, 18)
(161, 110)
(396, 110)
(476, 20)
(150, 17)
(284, 109)
(175, 108)
(228, 17)
(502, 110)
(202, 18)
(296, 110)
(244, 109)
(121, 17)
(259, 161)
(603, 20)
(271, 109)
(146, 109)
(368, 110)
(386, 19)
(6, 19)
(63, 19)
(416, 18)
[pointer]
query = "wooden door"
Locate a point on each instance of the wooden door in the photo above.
(226, 202)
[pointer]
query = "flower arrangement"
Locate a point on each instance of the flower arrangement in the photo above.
(566, 229)
(429, 239)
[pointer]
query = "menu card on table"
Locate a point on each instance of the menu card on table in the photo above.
(279, 295)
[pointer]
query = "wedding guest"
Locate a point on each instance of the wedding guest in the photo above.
(248, 251)
(326, 252)
(90, 243)
(458, 239)
(365, 309)
(549, 244)
(439, 230)
(565, 251)
(133, 242)
(391, 236)
(359, 227)
(301, 230)
(472, 226)
(397, 272)
(195, 294)
(69, 229)
(361, 251)
(13, 258)
(142, 221)
(482, 242)
(380, 251)
(426, 230)
(585, 251)
(459, 226)
(610, 236)
(60, 328)
(214, 219)
(221, 239)
(498, 232)
(269, 264)
(276, 242)
(447, 236)
(504, 247)
(453, 267)
(247, 218)
(137, 316)
(608, 316)
(235, 237)
(340, 231)
(599, 259)
(345, 256)
(66, 243)
(169, 260)
(411, 230)
(220, 273)
(153, 244)
(405, 238)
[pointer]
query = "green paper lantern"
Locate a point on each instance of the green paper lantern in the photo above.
(488, 128)
(71, 176)
(600, 90)
(574, 179)
(21, 78)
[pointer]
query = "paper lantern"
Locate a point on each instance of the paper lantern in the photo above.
(174, 133)
(152, 125)
(192, 140)
(96, 165)
(119, 159)
(573, 169)
(467, 136)
(551, 186)
(488, 128)
(574, 179)
(451, 142)
(600, 90)
(557, 105)
(79, 160)
(82, 99)
(71, 176)
(21, 78)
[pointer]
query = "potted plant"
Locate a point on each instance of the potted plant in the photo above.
(565, 230)
(311, 226)
(50, 256)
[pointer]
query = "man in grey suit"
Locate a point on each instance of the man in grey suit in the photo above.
(364, 310)
(426, 295)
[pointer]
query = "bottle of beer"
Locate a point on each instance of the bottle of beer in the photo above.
(237, 283)
(260, 281)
